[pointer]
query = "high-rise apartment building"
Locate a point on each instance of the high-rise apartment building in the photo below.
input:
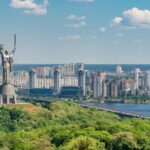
(42, 71)
(81, 81)
(69, 81)
(98, 83)
(147, 80)
(78, 67)
(57, 81)
(136, 74)
(32, 79)
(119, 70)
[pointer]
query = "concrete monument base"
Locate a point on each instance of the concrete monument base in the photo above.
(7, 94)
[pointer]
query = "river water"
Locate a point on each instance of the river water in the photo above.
(93, 67)
(141, 109)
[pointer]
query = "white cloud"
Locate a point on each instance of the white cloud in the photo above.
(133, 18)
(74, 17)
(77, 21)
(30, 6)
(103, 29)
(70, 37)
(117, 20)
(86, 1)
(77, 25)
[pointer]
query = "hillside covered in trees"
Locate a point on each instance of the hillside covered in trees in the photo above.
(67, 126)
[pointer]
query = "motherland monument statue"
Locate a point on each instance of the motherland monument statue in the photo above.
(7, 91)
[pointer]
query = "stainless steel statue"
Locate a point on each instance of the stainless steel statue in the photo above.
(7, 60)
(7, 92)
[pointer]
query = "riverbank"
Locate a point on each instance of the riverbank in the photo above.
(120, 113)
(126, 101)
(138, 110)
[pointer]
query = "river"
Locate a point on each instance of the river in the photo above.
(141, 109)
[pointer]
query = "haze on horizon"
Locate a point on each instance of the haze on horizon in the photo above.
(88, 31)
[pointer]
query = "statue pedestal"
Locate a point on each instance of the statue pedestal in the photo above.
(7, 94)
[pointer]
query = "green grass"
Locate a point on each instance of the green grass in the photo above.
(26, 107)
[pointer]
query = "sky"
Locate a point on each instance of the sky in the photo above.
(70, 31)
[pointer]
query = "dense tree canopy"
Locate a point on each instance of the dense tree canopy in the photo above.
(67, 126)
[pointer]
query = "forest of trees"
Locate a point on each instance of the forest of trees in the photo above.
(67, 126)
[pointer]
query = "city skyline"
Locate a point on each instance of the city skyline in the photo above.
(89, 31)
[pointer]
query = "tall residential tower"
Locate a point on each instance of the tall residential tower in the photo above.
(57, 81)
(81, 81)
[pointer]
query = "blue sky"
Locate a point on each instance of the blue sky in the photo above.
(89, 31)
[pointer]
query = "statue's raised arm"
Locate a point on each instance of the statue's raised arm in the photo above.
(2, 52)
(1, 48)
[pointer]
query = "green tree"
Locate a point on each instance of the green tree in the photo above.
(124, 141)
(84, 143)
